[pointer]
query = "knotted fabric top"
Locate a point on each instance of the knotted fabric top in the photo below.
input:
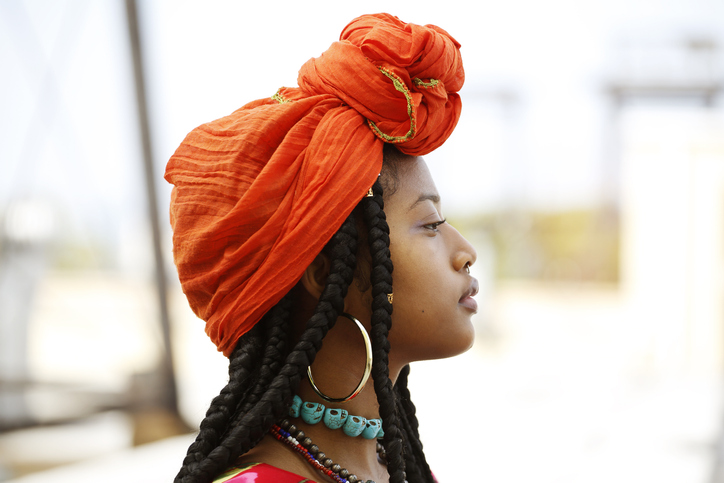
(257, 194)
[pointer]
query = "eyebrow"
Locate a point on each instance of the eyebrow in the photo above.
(434, 197)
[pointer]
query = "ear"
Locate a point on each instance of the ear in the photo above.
(315, 276)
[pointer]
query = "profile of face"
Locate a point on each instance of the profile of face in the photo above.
(433, 290)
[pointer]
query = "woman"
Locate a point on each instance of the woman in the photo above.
(287, 224)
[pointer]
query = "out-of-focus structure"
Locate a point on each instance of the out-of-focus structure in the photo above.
(41, 278)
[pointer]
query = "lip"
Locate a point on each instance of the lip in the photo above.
(467, 299)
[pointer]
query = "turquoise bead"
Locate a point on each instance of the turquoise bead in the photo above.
(371, 428)
(296, 405)
(312, 413)
(354, 425)
(380, 433)
(335, 418)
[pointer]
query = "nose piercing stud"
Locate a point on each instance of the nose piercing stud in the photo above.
(467, 267)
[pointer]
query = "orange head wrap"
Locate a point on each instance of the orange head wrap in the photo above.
(257, 194)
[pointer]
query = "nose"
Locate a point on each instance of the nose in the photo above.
(465, 255)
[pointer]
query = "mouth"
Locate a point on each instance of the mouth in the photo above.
(467, 299)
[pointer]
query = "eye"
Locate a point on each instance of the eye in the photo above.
(433, 226)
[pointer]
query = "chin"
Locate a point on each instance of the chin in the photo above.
(445, 338)
(455, 343)
(467, 339)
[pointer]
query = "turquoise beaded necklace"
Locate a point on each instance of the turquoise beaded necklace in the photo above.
(313, 413)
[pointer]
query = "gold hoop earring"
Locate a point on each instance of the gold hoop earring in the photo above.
(365, 376)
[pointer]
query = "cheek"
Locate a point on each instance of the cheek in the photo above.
(427, 322)
(419, 272)
(424, 299)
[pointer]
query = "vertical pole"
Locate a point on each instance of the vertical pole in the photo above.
(167, 397)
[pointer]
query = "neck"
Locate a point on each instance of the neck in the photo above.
(338, 368)
(357, 454)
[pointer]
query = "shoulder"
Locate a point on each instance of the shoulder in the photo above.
(259, 473)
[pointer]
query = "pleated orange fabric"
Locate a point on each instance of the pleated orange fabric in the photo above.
(257, 194)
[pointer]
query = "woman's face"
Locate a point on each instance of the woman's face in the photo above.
(433, 304)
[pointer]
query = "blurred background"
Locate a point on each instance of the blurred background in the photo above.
(587, 169)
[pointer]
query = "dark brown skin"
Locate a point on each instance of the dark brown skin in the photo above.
(431, 319)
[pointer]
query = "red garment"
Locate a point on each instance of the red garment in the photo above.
(260, 473)
(263, 473)
(257, 194)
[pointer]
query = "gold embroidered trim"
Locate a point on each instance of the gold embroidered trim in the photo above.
(280, 98)
(421, 83)
(401, 87)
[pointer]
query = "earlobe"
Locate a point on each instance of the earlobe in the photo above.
(315, 276)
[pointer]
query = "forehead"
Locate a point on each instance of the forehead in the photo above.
(413, 179)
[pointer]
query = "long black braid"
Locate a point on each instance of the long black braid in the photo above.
(381, 279)
(419, 470)
(396, 410)
(264, 373)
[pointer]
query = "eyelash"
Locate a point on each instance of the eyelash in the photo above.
(433, 226)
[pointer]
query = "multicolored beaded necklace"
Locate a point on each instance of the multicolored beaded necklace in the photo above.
(290, 435)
